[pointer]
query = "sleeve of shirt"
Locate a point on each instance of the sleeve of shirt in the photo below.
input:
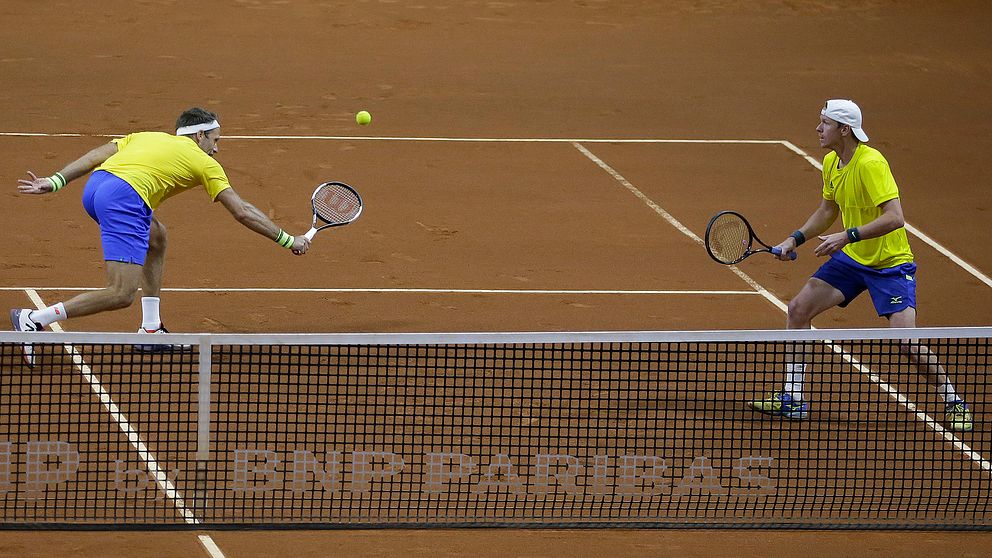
(214, 179)
(879, 182)
(122, 142)
(828, 193)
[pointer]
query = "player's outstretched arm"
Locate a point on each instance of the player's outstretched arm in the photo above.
(249, 216)
(42, 185)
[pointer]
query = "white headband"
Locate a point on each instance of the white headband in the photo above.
(206, 127)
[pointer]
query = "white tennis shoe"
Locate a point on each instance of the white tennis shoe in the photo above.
(20, 318)
(160, 348)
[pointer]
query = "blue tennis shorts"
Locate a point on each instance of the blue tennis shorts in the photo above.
(125, 219)
(892, 289)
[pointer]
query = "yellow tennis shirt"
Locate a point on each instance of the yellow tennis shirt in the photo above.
(159, 165)
(859, 188)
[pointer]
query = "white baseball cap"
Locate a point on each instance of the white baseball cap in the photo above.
(845, 112)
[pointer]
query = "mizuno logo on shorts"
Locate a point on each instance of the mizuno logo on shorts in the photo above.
(895, 300)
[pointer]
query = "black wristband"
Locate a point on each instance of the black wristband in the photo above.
(799, 238)
(853, 235)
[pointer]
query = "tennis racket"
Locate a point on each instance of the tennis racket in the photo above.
(334, 204)
(730, 239)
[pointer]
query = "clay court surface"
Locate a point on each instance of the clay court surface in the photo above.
(452, 228)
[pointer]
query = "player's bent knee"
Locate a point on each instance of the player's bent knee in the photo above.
(798, 311)
(121, 298)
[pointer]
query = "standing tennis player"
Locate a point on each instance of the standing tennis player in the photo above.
(133, 175)
(872, 254)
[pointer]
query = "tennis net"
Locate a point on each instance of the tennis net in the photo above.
(592, 429)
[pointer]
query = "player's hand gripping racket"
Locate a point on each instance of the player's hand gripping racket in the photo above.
(334, 204)
(730, 239)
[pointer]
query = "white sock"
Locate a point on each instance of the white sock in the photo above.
(150, 318)
(50, 315)
(946, 392)
(794, 380)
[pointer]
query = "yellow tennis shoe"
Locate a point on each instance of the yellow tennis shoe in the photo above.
(781, 404)
(958, 417)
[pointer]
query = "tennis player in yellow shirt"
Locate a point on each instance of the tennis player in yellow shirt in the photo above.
(133, 175)
(872, 254)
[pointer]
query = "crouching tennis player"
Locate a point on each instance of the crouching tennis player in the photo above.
(133, 175)
(872, 254)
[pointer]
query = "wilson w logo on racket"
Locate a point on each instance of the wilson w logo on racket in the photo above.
(334, 204)
(730, 239)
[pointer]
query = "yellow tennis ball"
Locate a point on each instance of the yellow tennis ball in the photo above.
(363, 118)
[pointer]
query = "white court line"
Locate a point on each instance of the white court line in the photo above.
(210, 546)
(892, 392)
(506, 140)
(909, 228)
(129, 431)
(439, 139)
(41, 135)
(372, 290)
(905, 402)
(674, 222)
(164, 484)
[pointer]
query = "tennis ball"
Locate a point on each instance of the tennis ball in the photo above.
(363, 118)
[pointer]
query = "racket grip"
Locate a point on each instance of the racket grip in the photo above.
(309, 234)
(778, 252)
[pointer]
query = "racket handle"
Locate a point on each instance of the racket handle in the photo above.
(778, 252)
(313, 231)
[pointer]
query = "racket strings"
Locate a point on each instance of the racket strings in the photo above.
(336, 205)
(729, 238)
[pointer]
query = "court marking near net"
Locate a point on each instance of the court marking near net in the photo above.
(758, 289)
(162, 480)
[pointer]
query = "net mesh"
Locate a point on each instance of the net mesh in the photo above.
(645, 429)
